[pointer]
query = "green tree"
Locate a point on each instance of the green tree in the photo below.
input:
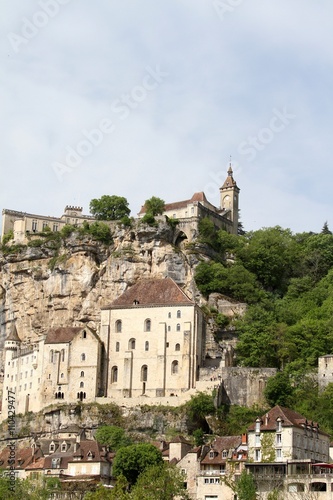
(132, 460)
(199, 407)
(154, 206)
(246, 487)
(160, 482)
(109, 207)
(325, 229)
(112, 436)
(278, 390)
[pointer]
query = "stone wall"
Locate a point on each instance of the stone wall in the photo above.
(245, 386)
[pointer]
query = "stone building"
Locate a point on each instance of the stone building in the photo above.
(154, 337)
(189, 212)
(23, 223)
(325, 370)
(65, 365)
(289, 452)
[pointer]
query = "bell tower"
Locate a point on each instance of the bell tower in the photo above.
(229, 199)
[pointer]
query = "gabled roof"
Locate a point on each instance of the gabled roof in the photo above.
(289, 418)
(220, 444)
(152, 292)
(200, 196)
(13, 335)
(63, 335)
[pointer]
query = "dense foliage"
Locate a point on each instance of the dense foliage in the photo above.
(287, 281)
(109, 207)
(132, 460)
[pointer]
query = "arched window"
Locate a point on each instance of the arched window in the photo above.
(51, 356)
(117, 346)
(179, 314)
(169, 314)
(62, 354)
(177, 347)
(174, 367)
(114, 374)
(62, 375)
(63, 446)
(178, 327)
(131, 344)
(118, 326)
(84, 334)
(147, 325)
(82, 374)
(81, 385)
(144, 373)
(83, 357)
(146, 345)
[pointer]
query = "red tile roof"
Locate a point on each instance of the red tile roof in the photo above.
(220, 444)
(289, 418)
(152, 292)
(200, 196)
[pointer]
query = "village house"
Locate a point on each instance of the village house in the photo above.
(291, 452)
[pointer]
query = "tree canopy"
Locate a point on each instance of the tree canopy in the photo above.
(109, 207)
(154, 206)
(112, 436)
(131, 461)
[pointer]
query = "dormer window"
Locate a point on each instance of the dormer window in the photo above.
(52, 447)
(211, 454)
(278, 424)
(64, 447)
(224, 454)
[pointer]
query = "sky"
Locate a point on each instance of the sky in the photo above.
(151, 98)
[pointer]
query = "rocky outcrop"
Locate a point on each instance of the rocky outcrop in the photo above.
(43, 286)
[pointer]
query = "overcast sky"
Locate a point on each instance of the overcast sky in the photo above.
(151, 97)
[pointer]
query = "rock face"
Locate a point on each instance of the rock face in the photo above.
(41, 287)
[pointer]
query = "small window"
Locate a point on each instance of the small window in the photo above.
(179, 314)
(177, 347)
(62, 354)
(118, 326)
(169, 314)
(83, 357)
(174, 367)
(62, 375)
(84, 334)
(117, 346)
(82, 374)
(144, 373)
(131, 344)
(81, 385)
(63, 447)
(147, 325)
(224, 454)
(178, 327)
(114, 374)
(211, 454)
(51, 356)
(146, 345)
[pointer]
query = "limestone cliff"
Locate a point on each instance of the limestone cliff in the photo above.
(42, 286)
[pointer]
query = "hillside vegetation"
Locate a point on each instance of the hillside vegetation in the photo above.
(287, 281)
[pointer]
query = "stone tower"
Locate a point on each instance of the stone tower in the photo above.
(229, 198)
